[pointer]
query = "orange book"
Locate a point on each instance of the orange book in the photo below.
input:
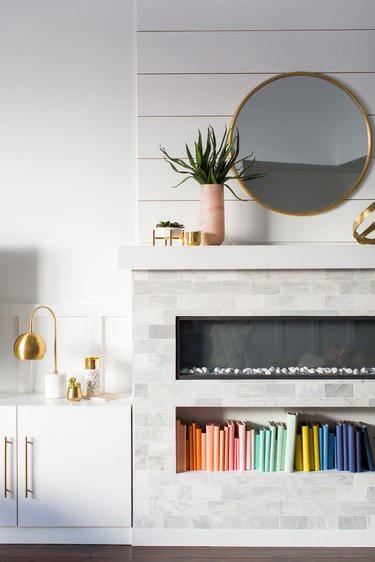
(210, 446)
(198, 444)
(204, 453)
(221, 450)
(178, 446)
(216, 447)
(231, 445)
(226, 447)
(187, 449)
(194, 434)
(183, 447)
(191, 455)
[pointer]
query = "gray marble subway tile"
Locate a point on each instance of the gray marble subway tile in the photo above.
(323, 522)
(364, 303)
(354, 287)
(372, 284)
(148, 463)
(152, 375)
(348, 522)
(148, 521)
(151, 360)
(295, 287)
(371, 521)
(147, 317)
(213, 493)
(339, 390)
(294, 522)
(349, 508)
(249, 304)
(323, 479)
(253, 493)
(309, 302)
(296, 493)
(364, 389)
(140, 302)
(265, 288)
(323, 493)
(309, 389)
(162, 302)
(176, 507)
(325, 287)
(139, 275)
(370, 493)
(277, 389)
(167, 274)
(250, 522)
(192, 302)
(163, 449)
(206, 288)
(226, 302)
(340, 274)
(255, 275)
(236, 287)
(193, 275)
(295, 274)
(250, 389)
(352, 493)
(141, 390)
(177, 522)
(141, 449)
(279, 302)
(161, 332)
(332, 302)
(235, 507)
(147, 346)
(162, 287)
(139, 332)
(150, 492)
(148, 433)
(285, 507)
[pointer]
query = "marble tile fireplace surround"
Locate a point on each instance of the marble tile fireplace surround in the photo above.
(243, 508)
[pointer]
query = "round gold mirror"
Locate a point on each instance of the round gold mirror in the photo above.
(312, 137)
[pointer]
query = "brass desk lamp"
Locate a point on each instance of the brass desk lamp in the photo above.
(31, 346)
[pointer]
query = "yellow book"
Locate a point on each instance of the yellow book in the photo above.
(298, 465)
(305, 448)
(311, 449)
(316, 446)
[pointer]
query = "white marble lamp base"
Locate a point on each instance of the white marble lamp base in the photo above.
(55, 385)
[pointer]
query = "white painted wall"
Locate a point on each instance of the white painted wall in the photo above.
(197, 61)
(67, 179)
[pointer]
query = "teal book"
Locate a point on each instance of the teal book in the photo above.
(262, 441)
(279, 449)
(273, 451)
(256, 452)
(267, 449)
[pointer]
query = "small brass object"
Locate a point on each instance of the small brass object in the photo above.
(192, 237)
(74, 393)
(167, 235)
(363, 237)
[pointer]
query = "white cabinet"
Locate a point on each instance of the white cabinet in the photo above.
(71, 462)
(8, 467)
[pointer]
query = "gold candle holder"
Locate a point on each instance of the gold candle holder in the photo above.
(192, 237)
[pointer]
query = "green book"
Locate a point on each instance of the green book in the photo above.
(262, 441)
(267, 450)
(273, 430)
(280, 451)
(256, 452)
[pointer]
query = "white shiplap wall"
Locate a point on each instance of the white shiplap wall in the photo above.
(196, 62)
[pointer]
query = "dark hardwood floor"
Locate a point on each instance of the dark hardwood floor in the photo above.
(112, 553)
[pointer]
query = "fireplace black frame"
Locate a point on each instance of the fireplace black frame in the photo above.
(274, 376)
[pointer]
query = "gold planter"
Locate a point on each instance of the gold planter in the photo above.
(192, 238)
(74, 394)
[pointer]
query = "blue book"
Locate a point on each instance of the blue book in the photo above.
(358, 447)
(330, 450)
(339, 447)
(321, 448)
(325, 446)
(334, 452)
(345, 452)
(351, 448)
(262, 441)
(368, 452)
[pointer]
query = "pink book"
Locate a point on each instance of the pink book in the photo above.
(221, 449)
(231, 445)
(253, 432)
(204, 453)
(237, 452)
(226, 447)
(241, 428)
(216, 447)
(248, 448)
(210, 446)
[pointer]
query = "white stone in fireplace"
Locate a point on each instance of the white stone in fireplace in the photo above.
(241, 507)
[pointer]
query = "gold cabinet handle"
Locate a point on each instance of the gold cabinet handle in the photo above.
(6, 443)
(27, 442)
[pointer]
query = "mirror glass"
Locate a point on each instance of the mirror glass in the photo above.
(310, 135)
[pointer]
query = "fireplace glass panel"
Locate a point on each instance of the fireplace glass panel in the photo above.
(299, 347)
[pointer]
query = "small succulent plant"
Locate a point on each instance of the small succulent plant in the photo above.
(169, 224)
(73, 383)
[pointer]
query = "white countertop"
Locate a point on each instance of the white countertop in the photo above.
(271, 256)
(35, 399)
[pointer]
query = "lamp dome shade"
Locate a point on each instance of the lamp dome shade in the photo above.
(30, 346)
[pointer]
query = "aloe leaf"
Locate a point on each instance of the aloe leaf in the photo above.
(181, 182)
(191, 159)
(233, 193)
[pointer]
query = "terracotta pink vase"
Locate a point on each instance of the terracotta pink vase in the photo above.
(212, 214)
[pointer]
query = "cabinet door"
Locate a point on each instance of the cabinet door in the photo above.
(74, 466)
(8, 473)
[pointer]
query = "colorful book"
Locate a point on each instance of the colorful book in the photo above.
(190, 440)
(253, 434)
(291, 430)
(351, 448)
(262, 442)
(358, 448)
(367, 446)
(221, 450)
(198, 445)
(257, 449)
(236, 453)
(231, 445)
(216, 447)
(298, 464)
(178, 446)
(311, 449)
(267, 449)
(331, 450)
(345, 450)
(248, 449)
(194, 434)
(280, 446)
(204, 449)
(226, 447)
(241, 429)
(273, 447)
(325, 445)
(315, 429)
(305, 448)
(210, 447)
(321, 448)
(339, 446)
(183, 446)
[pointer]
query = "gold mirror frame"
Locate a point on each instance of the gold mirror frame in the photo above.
(369, 139)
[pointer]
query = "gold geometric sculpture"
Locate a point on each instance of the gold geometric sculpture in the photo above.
(362, 237)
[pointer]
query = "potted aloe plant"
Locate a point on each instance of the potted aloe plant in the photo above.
(211, 167)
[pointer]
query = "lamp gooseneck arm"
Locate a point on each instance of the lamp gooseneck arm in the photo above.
(55, 331)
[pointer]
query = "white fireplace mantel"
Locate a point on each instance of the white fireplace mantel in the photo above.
(271, 256)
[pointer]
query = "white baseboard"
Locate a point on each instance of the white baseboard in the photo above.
(247, 537)
(66, 535)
